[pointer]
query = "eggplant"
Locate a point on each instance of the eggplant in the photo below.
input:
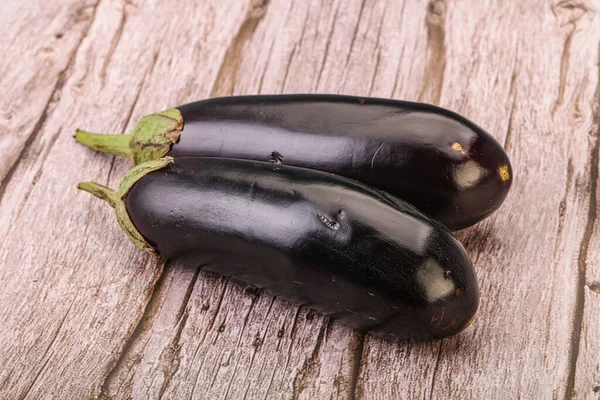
(437, 160)
(333, 244)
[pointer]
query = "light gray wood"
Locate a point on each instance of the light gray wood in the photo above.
(73, 290)
(529, 91)
(38, 46)
(309, 359)
(83, 314)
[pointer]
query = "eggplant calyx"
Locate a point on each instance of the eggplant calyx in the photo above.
(151, 138)
(116, 198)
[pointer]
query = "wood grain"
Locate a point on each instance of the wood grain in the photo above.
(38, 47)
(520, 346)
(84, 315)
(72, 295)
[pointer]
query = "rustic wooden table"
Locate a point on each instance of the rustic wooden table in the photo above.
(84, 314)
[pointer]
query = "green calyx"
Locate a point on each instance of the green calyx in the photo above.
(151, 138)
(116, 198)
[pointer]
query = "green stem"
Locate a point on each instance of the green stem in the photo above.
(151, 138)
(118, 145)
(116, 198)
(112, 197)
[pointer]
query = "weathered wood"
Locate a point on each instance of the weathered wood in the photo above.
(71, 294)
(520, 345)
(83, 314)
(290, 365)
(585, 348)
(38, 45)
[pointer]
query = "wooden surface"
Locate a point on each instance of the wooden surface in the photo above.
(83, 314)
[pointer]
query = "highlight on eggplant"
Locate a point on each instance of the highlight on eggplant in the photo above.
(437, 160)
(333, 244)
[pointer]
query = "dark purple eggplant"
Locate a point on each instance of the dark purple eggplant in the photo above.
(333, 244)
(435, 159)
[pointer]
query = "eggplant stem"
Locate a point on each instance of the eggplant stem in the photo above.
(117, 144)
(116, 198)
(151, 138)
(112, 197)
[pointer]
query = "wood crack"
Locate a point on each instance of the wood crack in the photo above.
(298, 44)
(52, 99)
(372, 85)
(280, 334)
(327, 45)
(259, 340)
(398, 70)
(582, 266)
(270, 383)
(354, 34)
(171, 353)
(378, 47)
(34, 181)
(512, 91)
(507, 139)
(144, 324)
(304, 25)
(569, 12)
(226, 77)
(293, 332)
(240, 337)
(436, 49)
(113, 44)
(264, 73)
(357, 355)
(397, 75)
(436, 369)
(311, 366)
(583, 253)
(43, 367)
(380, 28)
(289, 64)
(210, 327)
(564, 70)
(562, 207)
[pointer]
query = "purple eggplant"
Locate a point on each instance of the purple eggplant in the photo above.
(437, 160)
(333, 244)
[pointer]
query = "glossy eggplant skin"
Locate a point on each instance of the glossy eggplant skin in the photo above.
(445, 165)
(328, 242)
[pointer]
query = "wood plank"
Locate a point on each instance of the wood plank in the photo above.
(91, 316)
(33, 70)
(71, 293)
(325, 364)
(520, 343)
(585, 356)
(250, 345)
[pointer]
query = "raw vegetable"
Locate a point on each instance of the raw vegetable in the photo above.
(331, 243)
(437, 160)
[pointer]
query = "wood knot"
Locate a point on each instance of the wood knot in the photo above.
(436, 12)
(568, 12)
(257, 342)
(594, 287)
(259, 8)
